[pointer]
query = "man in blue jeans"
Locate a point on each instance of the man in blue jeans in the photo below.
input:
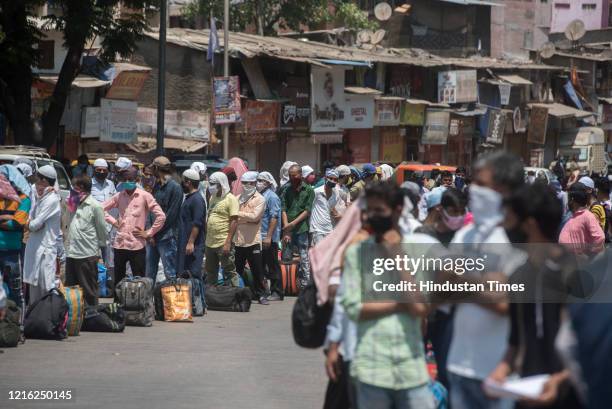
(296, 205)
(169, 194)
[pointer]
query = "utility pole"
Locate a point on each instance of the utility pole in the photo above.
(161, 79)
(226, 70)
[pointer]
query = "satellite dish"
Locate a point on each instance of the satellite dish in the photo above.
(364, 36)
(383, 11)
(547, 50)
(575, 30)
(378, 36)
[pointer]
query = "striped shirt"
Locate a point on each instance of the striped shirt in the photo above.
(11, 230)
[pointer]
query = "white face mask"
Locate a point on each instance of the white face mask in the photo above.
(212, 189)
(261, 186)
(485, 205)
(249, 190)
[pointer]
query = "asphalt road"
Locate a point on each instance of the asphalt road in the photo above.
(225, 360)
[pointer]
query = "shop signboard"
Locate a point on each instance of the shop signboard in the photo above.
(118, 121)
(261, 116)
(496, 126)
(387, 111)
(436, 129)
(359, 112)
(538, 124)
(413, 114)
(226, 100)
(295, 113)
(178, 124)
(327, 102)
(391, 146)
(128, 85)
(457, 86)
(90, 122)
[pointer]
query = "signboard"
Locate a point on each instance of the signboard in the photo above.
(519, 120)
(327, 113)
(41, 89)
(538, 123)
(359, 112)
(296, 113)
(391, 146)
(606, 117)
(326, 138)
(128, 85)
(178, 124)
(90, 122)
(261, 116)
(453, 129)
(457, 86)
(435, 131)
(536, 158)
(226, 100)
(118, 121)
(504, 93)
(413, 114)
(359, 144)
(496, 127)
(387, 111)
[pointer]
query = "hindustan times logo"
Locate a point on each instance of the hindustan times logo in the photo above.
(412, 265)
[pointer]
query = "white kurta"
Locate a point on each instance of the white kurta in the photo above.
(41, 249)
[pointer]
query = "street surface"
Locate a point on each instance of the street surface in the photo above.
(225, 360)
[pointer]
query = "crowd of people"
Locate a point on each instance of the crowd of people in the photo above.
(215, 226)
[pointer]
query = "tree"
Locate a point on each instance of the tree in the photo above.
(119, 23)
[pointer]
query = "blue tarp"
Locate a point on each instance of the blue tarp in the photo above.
(572, 97)
(344, 62)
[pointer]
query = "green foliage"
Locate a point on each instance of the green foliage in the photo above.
(354, 18)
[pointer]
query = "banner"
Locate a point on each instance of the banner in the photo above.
(118, 121)
(391, 146)
(261, 116)
(327, 86)
(128, 85)
(538, 123)
(435, 131)
(359, 112)
(457, 86)
(387, 111)
(178, 124)
(295, 114)
(504, 93)
(226, 100)
(90, 122)
(413, 114)
(496, 126)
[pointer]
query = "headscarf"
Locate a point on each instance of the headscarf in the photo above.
(239, 168)
(14, 176)
(386, 172)
(306, 171)
(284, 172)
(25, 169)
(220, 178)
(267, 176)
(249, 176)
(199, 167)
(7, 191)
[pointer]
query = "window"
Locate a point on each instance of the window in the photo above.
(589, 6)
(562, 5)
(46, 54)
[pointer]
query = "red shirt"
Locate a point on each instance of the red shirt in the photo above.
(583, 233)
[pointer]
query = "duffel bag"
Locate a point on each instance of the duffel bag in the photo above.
(198, 302)
(104, 318)
(47, 318)
(134, 293)
(9, 326)
(309, 321)
(158, 297)
(177, 301)
(76, 304)
(226, 298)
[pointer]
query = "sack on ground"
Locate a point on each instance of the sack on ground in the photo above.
(9, 326)
(104, 318)
(47, 318)
(76, 304)
(177, 301)
(226, 298)
(135, 295)
(309, 321)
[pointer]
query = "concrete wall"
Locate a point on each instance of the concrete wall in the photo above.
(562, 15)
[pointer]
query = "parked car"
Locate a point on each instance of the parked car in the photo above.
(213, 163)
(541, 173)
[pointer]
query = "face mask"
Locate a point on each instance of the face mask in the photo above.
(453, 222)
(261, 186)
(516, 235)
(330, 184)
(73, 201)
(248, 190)
(129, 186)
(296, 182)
(380, 224)
(485, 205)
(101, 176)
(212, 189)
(310, 179)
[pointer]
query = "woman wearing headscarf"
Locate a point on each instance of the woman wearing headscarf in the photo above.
(220, 230)
(240, 168)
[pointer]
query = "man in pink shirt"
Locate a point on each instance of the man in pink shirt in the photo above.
(133, 204)
(582, 232)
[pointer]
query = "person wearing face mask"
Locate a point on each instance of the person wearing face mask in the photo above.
(220, 230)
(248, 234)
(191, 228)
(133, 205)
(388, 365)
(582, 233)
(480, 330)
(368, 173)
(460, 179)
(324, 214)
(308, 175)
(169, 195)
(83, 167)
(87, 234)
(44, 226)
(201, 169)
(446, 214)
(344, 174)
(148, 179)
(296, 205)
(102, 189)
(270, 234)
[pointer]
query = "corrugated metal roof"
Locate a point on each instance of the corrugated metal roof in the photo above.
(515, 79)
(413, 101)
(82, 81)
(474, 3)
(563, 111)
(362, 91)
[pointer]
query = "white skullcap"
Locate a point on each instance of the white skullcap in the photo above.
(48, 171)
(100, 163)
(198, 167)
(25, 169)
(587, 181)
(191, 174)
(343, 170)
(306, 170)
(123, 163)
(249, 176)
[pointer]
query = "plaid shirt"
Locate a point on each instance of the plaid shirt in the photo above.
(390, 351)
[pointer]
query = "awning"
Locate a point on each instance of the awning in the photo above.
(515, 79)
(125, 66)
(605, 100)
(563, 111)
(362, 91)
(413, 101)
(146, 145)
(346, 62)
(474, 3)
(473, 112)
(82, 81)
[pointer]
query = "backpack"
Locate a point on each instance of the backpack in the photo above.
(9, 326)
(309, 321)
(104, 318)
(226, 298)
(47, 318)
(135, 295)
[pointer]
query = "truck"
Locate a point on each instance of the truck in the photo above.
(585, 145)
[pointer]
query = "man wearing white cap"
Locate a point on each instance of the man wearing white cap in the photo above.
(324, 213)
(102, 189)
(201, 169)
(248, 234)
(344, 174)
(594, 206)
(45, 229)
(191, 230)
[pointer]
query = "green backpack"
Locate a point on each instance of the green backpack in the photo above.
(9, 326)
